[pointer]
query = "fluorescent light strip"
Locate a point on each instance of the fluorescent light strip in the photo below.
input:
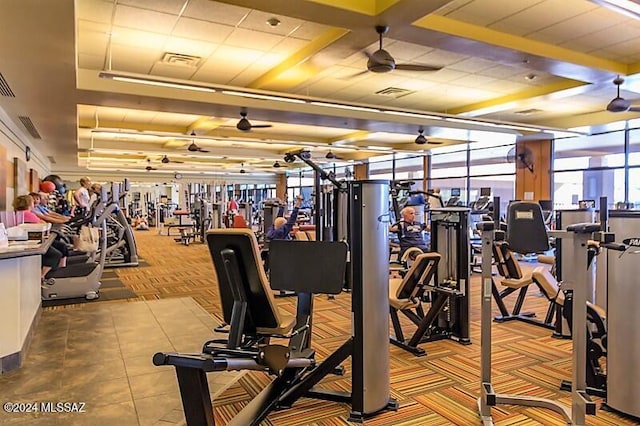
(164, 84)
(464, 121)
(413, 115)
(342, 106)
(380, 148)
(260, 96)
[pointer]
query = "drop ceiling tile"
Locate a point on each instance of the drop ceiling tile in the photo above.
(581, 25)
(414, 84)
(403, 51)
(132, 59)
(629, 47)
(600, 40)
(92, 38)
(173, 71)
(90, 62)
(168, 6)
(452, 6)
(144, 20)
(440, 58)
(212, 11)
(257, 20)
(257, 69)
(135, 38)
(202, 30)
(543, 15)
(505, 87)
(503, 71)
(485, 12)
(445, 75)
(309, 30)
(288, 46)
(225, 63)
(191, 47)
(95, 10)
(253, 39)
(472, 65)
(474, 81)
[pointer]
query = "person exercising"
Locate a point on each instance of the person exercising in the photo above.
(281, 229)
(410, 232)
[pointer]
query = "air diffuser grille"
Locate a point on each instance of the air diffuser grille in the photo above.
(31, 128)
(5, 90)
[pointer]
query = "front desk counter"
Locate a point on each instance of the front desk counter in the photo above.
(20, 299)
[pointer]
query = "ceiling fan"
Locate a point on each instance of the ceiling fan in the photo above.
(193, 147)
(522, 157)
(381, 61)
(149, 167)
(422, 140)
(245, 125)
(331, 156)
(619, 104)
(242, 170)
(166, 160)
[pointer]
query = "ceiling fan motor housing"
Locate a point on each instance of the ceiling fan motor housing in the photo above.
(244, 124)
(381, 61)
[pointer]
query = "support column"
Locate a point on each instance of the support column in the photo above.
(281, 186)
(534, 185)
(361, 171)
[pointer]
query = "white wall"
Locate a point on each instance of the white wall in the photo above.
(14, 141)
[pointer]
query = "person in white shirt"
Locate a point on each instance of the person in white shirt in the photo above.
(82, 197)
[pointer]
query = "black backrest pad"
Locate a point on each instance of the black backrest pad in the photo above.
(259, 308)
(526, 232)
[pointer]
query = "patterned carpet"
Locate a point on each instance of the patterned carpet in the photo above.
(439, 389)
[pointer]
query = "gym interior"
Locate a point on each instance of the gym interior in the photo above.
(319, 212)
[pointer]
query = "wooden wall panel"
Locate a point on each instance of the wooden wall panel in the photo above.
(538, 182)
(34, 181)
(281, 186)
(361, 171)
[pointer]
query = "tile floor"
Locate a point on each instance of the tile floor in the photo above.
(101, 355)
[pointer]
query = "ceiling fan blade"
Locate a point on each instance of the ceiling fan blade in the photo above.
(416, 67)
(634, 108)
(354, 75)
(261, 126)
(178, 162)
(202, 150)
(434, 143)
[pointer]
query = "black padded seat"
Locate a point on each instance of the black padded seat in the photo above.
(266, 317)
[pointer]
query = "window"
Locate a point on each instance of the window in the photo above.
(634, 187)
(634, 148)
(589, 167)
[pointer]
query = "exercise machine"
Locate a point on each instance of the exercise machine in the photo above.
(445, 276)
(623, 317)
(247, 301)
(80, 279)
(576, 280)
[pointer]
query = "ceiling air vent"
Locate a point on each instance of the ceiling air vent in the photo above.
(5, 90)
(51, 159)
(31, 128)
(394, 92)
(180, 59)
(528, 111)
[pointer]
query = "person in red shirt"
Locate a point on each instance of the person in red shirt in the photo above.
(232, 205)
